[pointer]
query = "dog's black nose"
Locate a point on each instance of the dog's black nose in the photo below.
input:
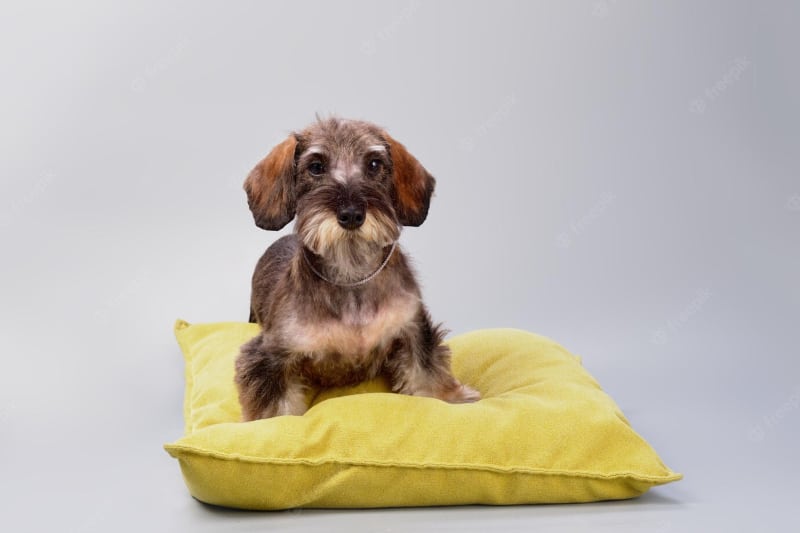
(350, 216)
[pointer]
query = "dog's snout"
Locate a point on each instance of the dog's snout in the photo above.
(351, 216)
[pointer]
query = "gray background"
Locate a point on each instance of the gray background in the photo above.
(621, 176)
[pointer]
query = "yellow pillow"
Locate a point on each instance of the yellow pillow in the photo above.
(544, 432)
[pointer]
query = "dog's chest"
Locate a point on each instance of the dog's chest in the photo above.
(358, 333)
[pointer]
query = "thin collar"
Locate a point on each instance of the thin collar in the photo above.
(355, 283)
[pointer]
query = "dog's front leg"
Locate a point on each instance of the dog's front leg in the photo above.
(419, 365)
(267, 387)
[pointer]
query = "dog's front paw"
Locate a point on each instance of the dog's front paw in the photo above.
(462, 394)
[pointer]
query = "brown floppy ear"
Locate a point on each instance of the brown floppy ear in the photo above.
(270, 187)
(413, 185)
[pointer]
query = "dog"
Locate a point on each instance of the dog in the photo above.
(336, 300)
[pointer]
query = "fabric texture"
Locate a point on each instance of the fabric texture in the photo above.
(544, 432)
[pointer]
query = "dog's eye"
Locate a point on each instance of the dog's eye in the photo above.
(374, 166)
(316, 168)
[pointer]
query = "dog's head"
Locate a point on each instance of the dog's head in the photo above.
(345, 180)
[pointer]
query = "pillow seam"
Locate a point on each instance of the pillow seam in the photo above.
(672, 476)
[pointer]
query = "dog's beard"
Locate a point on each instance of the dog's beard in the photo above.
(348, 254)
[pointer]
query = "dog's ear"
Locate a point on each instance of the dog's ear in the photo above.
(270, 187)
(413, 185)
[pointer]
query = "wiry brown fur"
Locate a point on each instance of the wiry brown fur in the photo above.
(323, 332)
